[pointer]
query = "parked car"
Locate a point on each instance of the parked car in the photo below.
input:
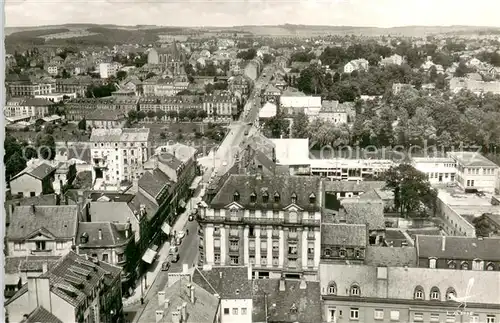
(165, 266)
(181, 234)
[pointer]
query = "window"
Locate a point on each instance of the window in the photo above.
(452, 264)
(251, 244)
(120, 257)
(450, 318)
(234, 260)
(312, 198)
(253, 198)
(32, 194)
(265, 197)
(378, 314)
(419, 293)
(276, 261)
(418, 317)
(331, 315)
(358, 254)
(310, 248)
(276, 245)
(332, 288)
(328, 252)
(294, 198)
(59, 245)
(263, 260)
(490, 319)
(435, 293)
(474, 318)
(355, 290)
(465, 265)
(276, 197)
(40, 245)
(226, 311)
(19, 246)
(292, 249)
(216, 243)
(217, 259)
(251, 260)
(434, 317)
(236, 197)
(394, 315)
(263, 245)
(354, 314)
(342, 253)
(243, 311)
(450, 293)
(477, 264)
(432, 263)
(105, 257)
(490, 267)
(235, 311)
(233, 245)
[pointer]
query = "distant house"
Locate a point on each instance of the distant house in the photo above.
(337, 113)
(105, 119)
(392, 60)
(360, 64)
(34, 180)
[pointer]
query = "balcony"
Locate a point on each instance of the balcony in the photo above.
(256, 221)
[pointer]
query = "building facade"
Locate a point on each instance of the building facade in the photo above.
(474, 171)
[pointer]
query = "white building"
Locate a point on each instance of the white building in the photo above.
(438, 170)
(310, 105)
(106, 70)
(118, 154)
(360, 64)
(337, 113)
(474, 171)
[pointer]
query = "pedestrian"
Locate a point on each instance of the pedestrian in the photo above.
(187, 231)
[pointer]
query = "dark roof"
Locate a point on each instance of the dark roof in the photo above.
(169, 160)
(39, 172)
(71, 267)
(104, 114)
(111, 196)
(228, 282)
(15, 265)
(343, 234)
(59, 221)
(37, 102)
(391, 256)
(364, 212)
(351, 186)
(458, 247)
(46, 199)
(138, 200)
(153, 182)
(111, 235)
(279, 303)
(41, 315)
(285, 186)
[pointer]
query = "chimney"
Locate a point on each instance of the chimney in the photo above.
(159, 315)
(191, 294)
(100, 234)
(282, 284)
(45, 266)
(166, 303)
(184, 312)
(303, 284)
(161, 298)
(175, 317)
(443, 243)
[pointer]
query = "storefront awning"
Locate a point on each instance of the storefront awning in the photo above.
(166, 228)
(195, 183)
(149, 256)
(182, 204)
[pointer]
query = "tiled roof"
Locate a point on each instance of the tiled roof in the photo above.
(60, 221)
(115, 212)
(140, 199)
(204, 309)
(401, 282)
(169, 160)
(364, 212)
(285, 186)
(37, 102)
(41, 315)
(110, 197)
(40, 171)
(280, 303)
(351, 186)
(111, 236)
(458, 247)
(391, 257)
(229, 282)
(70, 267)
(106, 115)
(343, 234)
(153, 182)
(14, 265)
(180, 151)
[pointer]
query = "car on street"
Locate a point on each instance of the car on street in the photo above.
(165, 266)
(181, 234)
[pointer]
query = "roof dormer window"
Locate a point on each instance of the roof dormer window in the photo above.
(265, 197)
(236, 197)
(312, 198)
(253, 197)
(276, 197)
(294, 198)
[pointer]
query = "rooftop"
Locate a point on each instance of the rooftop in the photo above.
(351, 186)
(341, 234)
(391, 256)
(111, 234)
(120, 135)
(359, 211)
(40, 171)
(469, 204)
(40, 314)
(228, 282)
(154, 181)
(443, 247)
(472, 159)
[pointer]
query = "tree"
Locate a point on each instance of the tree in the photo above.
(483, 226)
(462, 70)
(300, 125)
(46, 145)
(121, 75)
(82, 125)
(163, 135)
(172, 114)
(191, 114)
(15, 163)
(49, 128)
(411, 188)
(276, 127)
(182, 115)
(132, 115)
(160, 114)
(247, 54)
(151, 114)
(202, 114)
(141, 115)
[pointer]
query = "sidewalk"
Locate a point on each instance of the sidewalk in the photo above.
(179, 225)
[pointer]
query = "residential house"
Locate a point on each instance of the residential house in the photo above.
(405, 294)
(42, 230)
(222, 106)
(335, 112)
(73, 290)
(269, 222)
(392, 60)
(29, 88)
(474, 171)
(291, 104)
(271, 94)
(360, 64)
(438, 170)
(286, 301)
(35, 108)
(107, 70)
(477, 87)
(343, 243)
(233, 285)
(36, 179)
(106, 119)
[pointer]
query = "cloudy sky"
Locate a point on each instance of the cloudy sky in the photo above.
(379, 13)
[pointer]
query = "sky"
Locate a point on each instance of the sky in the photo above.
(374, 13)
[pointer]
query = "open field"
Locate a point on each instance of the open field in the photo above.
(69, 34)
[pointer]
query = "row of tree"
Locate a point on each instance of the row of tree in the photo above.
(183, 115)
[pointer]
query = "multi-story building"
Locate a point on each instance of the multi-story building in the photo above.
(474, 171)
(53, 69)
(79, 108)
(292, 104)
(349, 169)
(240, 84)
(170, 103)
(269, 222)
(29, 89)
(42, 230)
(271, 94)
(222, 106)
(118, 154)
(75, 289)
(335, 112)
(360, 64)
(107, 70)
(342, 242)
(392, 60)
(30, 107)
(438, 170)
(164, 86)
(233, 284)
(78, 85)
(404, 294)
